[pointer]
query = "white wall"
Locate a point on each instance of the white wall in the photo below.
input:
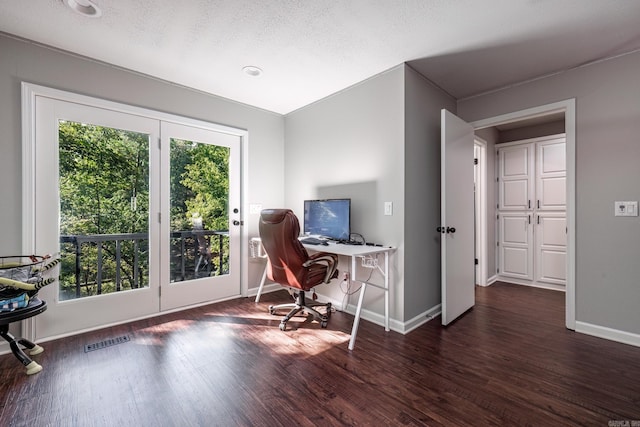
(351, 144)
(26, 61)
(607, 154)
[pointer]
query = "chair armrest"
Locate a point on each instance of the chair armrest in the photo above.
(327, 259)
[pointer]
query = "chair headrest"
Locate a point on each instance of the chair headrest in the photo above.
(274, 216)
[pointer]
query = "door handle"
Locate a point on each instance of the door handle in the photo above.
(446, 230)
(236, 222)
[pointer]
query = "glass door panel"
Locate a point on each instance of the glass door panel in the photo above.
(199, 185)
(201, 201)
(104, 210)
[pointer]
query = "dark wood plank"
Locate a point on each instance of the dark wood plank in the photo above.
(508, 361)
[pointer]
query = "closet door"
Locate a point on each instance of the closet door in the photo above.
(516, 245)
(551, 248)
(515, 177)
(551, 175)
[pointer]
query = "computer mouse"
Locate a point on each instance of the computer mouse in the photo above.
(325, 243)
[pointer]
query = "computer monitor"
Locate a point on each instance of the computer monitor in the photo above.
(330, 218)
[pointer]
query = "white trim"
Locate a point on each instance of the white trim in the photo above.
(608, 333)
(530, 283)
(481, 218)
(271, 287)
(569, 108)
(394, 324)
(493, 279)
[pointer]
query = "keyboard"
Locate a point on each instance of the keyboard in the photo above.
(312, 241)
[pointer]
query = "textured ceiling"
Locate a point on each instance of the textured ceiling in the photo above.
(310, 49)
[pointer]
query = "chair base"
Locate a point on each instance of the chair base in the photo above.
(299, 305)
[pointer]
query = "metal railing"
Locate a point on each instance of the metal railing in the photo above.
(187, 246)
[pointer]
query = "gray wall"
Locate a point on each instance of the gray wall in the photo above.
(351, 144)
(25, 61)
(423, 102)
(607, 153)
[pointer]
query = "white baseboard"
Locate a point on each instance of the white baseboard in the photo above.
(491, 280)
(608, 333)
(394, 324)
(532, 284)
(268, 287)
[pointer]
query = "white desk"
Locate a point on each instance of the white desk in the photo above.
(367, 255)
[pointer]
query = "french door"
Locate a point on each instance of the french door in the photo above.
(201, 199)
(144, 212)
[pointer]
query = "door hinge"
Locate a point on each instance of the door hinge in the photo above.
(160, 291)
(498, 216)
(159, 144)
(498, 270)
(159, 217)
(497, 243)
(475, 161)
(476, 261)
(498, 179)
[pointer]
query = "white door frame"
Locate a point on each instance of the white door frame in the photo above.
(30, 92)
(568, 107)
(481, 211)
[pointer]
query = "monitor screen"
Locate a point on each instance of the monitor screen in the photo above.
(330, 218)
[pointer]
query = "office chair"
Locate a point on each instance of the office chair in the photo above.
(289, 264)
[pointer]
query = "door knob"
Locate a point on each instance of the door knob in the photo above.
(451, 230)
(236, 222)
(440, 230)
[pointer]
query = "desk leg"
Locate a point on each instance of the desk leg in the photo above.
(264, 277)
(356, 319)
(386, 291)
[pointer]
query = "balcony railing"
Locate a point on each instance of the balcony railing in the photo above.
(194, 254)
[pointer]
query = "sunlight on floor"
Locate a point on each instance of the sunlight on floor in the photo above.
(302, 337)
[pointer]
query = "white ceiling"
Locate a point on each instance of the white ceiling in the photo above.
(310, 49)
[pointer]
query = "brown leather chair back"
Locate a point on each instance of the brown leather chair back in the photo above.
(279, 231)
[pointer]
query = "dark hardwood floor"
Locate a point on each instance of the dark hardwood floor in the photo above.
(509, 361)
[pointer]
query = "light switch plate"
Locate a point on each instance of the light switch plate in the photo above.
(388, 208)
(625, 208)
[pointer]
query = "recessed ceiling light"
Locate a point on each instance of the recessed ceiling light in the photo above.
(84, 8)
(252, 71)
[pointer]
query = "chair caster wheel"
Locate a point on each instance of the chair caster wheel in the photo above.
(323, 324)
(271, 310)
(283, 326)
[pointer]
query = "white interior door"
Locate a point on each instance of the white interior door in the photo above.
(551, 176)
(457, 217)
(551, 248)
(515, 231)
(515, 177)
(94, 170)
(200, 215)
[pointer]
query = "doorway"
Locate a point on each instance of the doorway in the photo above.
(566, 110)
(480, 203)
(143, 207)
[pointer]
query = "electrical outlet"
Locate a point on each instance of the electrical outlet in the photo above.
(625, 208)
